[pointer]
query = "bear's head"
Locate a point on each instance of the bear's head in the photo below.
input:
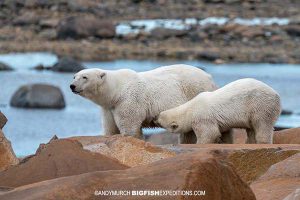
(171, 121)
(88, 81)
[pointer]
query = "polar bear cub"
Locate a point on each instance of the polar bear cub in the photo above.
(131, 100)
(245, 103)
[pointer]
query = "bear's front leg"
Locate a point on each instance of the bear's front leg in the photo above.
(187, 138)
(108, 123)
(206, 134)
(129, 122)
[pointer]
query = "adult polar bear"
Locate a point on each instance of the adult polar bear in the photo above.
(131, 100)
(245, 103)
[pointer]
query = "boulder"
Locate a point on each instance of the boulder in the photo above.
(189, 172)
(82, 27)
(128, 150)
(57, 159)
(3, 120)
(7, 155)
(5, 67)
(287, 136)
(281, 179)
(67, 64)
(38, 96)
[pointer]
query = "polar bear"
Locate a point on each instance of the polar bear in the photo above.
(131, 100)
(245, 103)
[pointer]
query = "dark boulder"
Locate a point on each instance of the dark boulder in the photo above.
(67, 64)
(38, 96)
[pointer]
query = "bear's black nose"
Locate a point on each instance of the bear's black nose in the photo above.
(72, 87)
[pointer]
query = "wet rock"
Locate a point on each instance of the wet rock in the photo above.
(38, 96)
(7, 155)
(5, 67)
(287, 136)
(280, 180)
(57, 159)
(128, 150)
(164, 33)
(67, 64)
(189, 172)
(83, 27)
(3, 120)
(27, 18)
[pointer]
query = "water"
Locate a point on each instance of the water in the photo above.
(27, 128)
(147, 25)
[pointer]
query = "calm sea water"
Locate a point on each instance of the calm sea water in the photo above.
(27, 128)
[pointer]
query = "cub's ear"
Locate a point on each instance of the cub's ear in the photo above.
(102, 75)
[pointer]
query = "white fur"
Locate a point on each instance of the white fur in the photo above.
(131, 100)
(245, 103)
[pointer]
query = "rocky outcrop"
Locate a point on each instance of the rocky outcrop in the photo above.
(281, 180)
(189, 172)
(7, 155)
(57, 159)
(3, 120)
(67, 64)
(83, 27)
(287, 136)
(38, 96)
(128, 150)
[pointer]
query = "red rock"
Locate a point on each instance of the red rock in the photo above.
(128, 150)
(7, 155)
(287, 136)
(281, 179)
(56, 159)
(188, 172)
(3, 120)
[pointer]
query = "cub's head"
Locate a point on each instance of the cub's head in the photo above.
(170, 121)
(87, 81)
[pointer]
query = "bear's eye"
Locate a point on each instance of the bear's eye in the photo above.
(174, 126)
(84, 77)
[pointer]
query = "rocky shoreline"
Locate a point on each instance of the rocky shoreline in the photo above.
(86, 30)
(81, 167)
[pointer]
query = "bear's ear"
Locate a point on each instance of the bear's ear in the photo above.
(102, 75)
